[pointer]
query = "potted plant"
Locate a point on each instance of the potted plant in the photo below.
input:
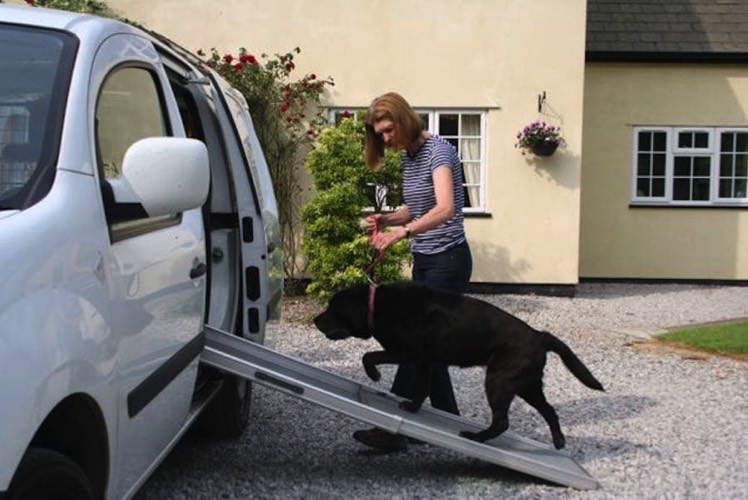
(539, 138)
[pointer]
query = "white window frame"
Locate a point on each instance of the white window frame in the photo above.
(432, 120)
(713, 151)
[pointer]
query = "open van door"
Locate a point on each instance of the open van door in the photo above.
(262, 255)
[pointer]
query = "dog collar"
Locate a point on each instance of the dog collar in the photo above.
(370, 310)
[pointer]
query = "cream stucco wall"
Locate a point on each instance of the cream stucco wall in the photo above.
(494, 55)
(681, 243)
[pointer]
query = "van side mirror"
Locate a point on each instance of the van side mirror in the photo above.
(164, 175)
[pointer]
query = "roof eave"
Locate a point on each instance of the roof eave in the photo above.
(667, 57)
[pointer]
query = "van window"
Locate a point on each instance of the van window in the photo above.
(128, 109)
(32, 104)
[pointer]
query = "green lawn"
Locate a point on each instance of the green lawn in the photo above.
(727, 339)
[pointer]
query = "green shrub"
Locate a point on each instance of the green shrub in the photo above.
(335, 244)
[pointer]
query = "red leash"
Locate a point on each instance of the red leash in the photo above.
(370, 310)
(377, 256)
(372, 285)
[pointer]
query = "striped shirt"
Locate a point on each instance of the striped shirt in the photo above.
(419, 195)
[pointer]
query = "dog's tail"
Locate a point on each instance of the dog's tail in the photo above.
(572, 362)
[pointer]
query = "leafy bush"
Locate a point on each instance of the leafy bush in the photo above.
(335, 244)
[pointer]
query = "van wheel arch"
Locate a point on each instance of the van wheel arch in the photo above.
(76, 429)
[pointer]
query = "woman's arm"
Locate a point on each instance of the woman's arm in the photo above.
(442, 212)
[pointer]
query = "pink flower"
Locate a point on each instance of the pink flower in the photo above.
(248, 59)
(284, 107)
(238, 66)
(228, 58)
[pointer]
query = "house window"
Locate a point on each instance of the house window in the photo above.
(686, 166)
(466, 131)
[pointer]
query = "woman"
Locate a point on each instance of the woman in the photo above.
(431, 217)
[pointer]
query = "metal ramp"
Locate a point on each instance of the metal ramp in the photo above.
(296, 378)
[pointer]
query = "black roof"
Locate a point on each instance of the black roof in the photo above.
(667, 30)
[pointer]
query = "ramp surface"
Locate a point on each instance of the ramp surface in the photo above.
(296, 378)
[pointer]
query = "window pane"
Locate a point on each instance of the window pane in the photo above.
(454, 142)
(725, 165)
(741, 165)
(658, 161)
(128, 110)
(701, 140)
(470, 149)
(471, 124)
(741, 142)
(660, 141)
(645, 141)
(727, 142)
(644, 164)
(658, 187)
(682, 189)
(702, 166)
(448, 124)
(426, 120)
(725, 188)
(682, 166)
(642, 187)
(701, 190)
(685, 140)
(741, 190)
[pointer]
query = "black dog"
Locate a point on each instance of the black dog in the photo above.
(426, 326)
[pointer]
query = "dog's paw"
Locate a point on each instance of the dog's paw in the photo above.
(473, 436)
(373, 373)
(411, 406)
(559, 441)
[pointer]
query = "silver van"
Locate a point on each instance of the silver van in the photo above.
(135, 208)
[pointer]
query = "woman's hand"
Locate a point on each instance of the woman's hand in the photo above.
(383, 239)
(374, 222)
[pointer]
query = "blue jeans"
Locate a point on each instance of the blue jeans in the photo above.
(449, 270)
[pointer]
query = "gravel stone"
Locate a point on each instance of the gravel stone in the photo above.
(671, 424)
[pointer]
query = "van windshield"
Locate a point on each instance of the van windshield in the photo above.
(35, 65)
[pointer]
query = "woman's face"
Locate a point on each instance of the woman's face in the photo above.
(387, 130)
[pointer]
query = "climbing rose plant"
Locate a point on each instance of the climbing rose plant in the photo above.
(288, 116)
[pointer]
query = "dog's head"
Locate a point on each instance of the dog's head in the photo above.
(345, 315)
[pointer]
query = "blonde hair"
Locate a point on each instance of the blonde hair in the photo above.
(390, 106)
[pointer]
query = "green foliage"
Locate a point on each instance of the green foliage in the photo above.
(84, 6)
(335, 245)
(724, 339)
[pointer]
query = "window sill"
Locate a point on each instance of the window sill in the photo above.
(689, 206)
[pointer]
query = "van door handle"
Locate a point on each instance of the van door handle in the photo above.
(198, 270)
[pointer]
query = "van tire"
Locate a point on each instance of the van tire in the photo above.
(227, 415)
(45, 474)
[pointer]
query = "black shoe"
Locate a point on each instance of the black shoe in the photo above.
(381, 440)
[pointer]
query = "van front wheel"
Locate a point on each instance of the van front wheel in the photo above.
(45, 474)
(227, 415)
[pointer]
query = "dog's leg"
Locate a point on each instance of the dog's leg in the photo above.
(371, 359)
(500, 393)
(421, 387)
(535, 398)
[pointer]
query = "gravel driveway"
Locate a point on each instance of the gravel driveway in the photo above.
(671, 424)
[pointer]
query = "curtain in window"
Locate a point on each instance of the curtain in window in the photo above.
(470, 147)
